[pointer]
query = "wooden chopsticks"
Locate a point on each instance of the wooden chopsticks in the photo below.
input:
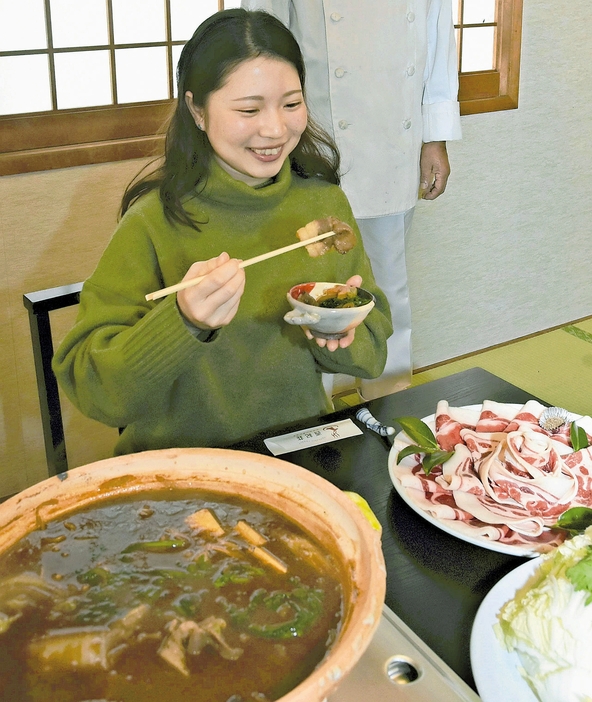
(249, 262)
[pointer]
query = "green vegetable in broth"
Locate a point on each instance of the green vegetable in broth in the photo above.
(162, 546)
(95, 576)
(237, 573)
(299, 607)
(173, 598)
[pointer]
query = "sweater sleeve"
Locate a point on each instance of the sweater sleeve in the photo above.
(123, 351)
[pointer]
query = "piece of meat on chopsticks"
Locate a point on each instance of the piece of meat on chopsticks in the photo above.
(343, 241)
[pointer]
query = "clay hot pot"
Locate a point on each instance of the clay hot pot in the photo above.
(306, 498)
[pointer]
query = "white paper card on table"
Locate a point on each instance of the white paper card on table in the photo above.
(323, 434)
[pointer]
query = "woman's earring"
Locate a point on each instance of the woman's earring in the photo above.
(200, 127)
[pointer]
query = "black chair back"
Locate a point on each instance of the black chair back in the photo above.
(39, 304)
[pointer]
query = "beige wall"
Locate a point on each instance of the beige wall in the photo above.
(504, 253)
(53, 228)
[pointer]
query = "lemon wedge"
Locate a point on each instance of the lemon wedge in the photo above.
(365, 507)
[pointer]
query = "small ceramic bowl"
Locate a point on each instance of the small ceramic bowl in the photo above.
(326, 322)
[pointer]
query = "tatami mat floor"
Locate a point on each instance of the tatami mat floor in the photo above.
(555, 366)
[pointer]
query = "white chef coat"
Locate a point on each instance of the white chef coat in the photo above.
(381, 77)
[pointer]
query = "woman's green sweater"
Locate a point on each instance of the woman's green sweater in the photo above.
(135, 364)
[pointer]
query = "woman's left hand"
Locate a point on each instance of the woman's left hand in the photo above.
(347, 340)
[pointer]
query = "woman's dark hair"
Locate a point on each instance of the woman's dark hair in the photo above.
(217, 47)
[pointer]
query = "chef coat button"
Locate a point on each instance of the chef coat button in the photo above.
(410, 70)
(342, 124)
(407, 124)
(335, 16)
(410, 16)
(339, 72)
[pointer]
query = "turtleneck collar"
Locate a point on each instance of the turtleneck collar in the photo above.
(222, 188)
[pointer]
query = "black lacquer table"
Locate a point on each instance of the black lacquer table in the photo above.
(435, 581)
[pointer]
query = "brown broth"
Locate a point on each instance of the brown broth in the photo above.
(86, 558)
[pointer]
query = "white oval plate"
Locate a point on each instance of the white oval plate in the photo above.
(496, 670)
(450, 526)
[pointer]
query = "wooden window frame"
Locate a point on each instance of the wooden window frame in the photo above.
(40, 142)
(45, 141)
(490, 91)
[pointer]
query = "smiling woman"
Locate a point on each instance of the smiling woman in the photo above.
(255, 120)
(244, 169)
(248, 75)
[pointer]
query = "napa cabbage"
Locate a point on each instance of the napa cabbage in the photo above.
(549, 624)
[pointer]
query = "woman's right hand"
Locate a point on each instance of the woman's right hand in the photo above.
(213, 302)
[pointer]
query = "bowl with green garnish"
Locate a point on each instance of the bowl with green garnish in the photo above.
(328, 310)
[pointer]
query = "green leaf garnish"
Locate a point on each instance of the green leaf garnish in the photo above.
(575, 520)
(578, 437)
(580, 575)
(418, 431)
(435, 459)
(409, 451)
(426, 443)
